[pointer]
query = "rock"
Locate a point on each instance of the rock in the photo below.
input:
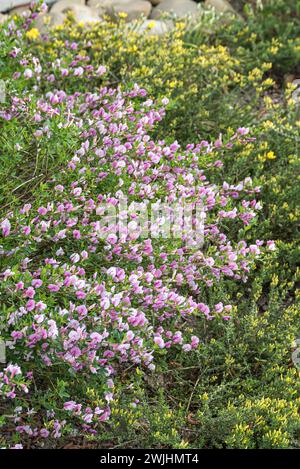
(95, 3)
(288, 77)
(133, 8)
(62, 5)
(99, 5)
(56, 19)
(49, 20)
(6, 5)
(221, 6)
(85, 14)
(20, 9)
(58, 14)
(82, 13)
(155, 27)
(180, 8)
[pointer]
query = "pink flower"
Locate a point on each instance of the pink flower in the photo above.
(177, 337)
(54, 288)
(44, 433)
(26, 230)
(155, 158)
(243, 130)
(271, 245)
(28, 73)
(7, 273)
(80, 294)
(82, 310)
(42, 210)
(30, 305)
(70, 405)
(5, 226)
(101, 70)
(78, 72)
(112, 239)
(30, 292)
(159, 341)
(13, 370)
(95, 336)
(77, 191)
(76, 234)
(84, 254)
(195, 341)
(75, 258)
(187, 348)
(36, 283)
(41, 306)
(129, 335)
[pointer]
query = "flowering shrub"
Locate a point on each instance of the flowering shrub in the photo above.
(81, 303)
(94, 312)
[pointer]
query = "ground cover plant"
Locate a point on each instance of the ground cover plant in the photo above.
(145, 341)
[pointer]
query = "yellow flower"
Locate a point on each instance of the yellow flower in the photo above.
(268, 125)
(266, 66)
(151, 24)
(268, 82)
(255, 74)
(172, 84)
(270, 155)
(268, 101)
(33, 33)
(180, 25)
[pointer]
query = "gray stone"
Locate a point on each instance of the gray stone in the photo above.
(9, 4)
(56, 19)
(98, 5)
(133, 8)
(20, 10)
(221, 6)
(155, 27)
(82, 13)
(62, 5)
(180, 8)
(85, 14)
(49, 20)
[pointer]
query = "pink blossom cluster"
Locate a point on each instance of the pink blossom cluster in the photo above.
(84, 298)
(12, 381)
(96, 304)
